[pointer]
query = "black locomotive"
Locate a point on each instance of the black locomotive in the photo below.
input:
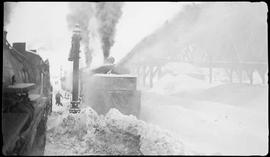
(26, 100)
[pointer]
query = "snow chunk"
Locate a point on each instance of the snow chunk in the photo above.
(153, 140)
(113, 134)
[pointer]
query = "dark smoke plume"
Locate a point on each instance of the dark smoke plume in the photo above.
(81, 13)
(8, 6)
(95, 18)
(108, 14)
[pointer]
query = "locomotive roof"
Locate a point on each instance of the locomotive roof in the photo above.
(10, 47)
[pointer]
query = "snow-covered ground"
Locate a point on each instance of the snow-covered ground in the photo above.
(209, 126)
(228, 119)
(113, 134)
(204, 118)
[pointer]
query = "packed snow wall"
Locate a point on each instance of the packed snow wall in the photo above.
(88, 133)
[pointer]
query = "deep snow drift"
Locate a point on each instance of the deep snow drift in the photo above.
(113, 134)
(223, 118)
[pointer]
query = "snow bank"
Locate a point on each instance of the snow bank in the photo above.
(113, 134)
(182, 77)
(170, 84)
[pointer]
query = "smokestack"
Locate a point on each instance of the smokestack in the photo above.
(19, 46)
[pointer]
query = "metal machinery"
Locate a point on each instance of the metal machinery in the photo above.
(74, 56)
(26, 100)
(113, 91)
(105, 87)
(110, 86)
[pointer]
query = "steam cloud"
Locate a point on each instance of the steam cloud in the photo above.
(8, 6)
(81, 13)
(97, 22)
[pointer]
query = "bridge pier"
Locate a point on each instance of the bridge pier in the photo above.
(210, 70)
(151, 76)
(231, 75)
(250, 75)
(147, 74)
(240, 75)
(262, 71)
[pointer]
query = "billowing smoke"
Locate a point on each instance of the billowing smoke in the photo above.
(8, 6)
(81, 13)
(108, 13)
(97, 22)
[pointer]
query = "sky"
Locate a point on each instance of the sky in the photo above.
(138, 20)
(43, 26)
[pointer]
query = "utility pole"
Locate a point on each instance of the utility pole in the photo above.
(74, 56)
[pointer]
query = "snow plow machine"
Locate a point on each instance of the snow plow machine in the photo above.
(105, 87)
(114, 88)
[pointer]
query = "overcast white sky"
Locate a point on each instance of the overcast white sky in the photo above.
(43, 26)
(138, 20)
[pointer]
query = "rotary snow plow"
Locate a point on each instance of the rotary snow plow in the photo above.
(105, 87)
(109, 87)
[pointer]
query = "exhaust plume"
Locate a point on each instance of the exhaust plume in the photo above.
(81, 13)
(108, 14)
(97, 22)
